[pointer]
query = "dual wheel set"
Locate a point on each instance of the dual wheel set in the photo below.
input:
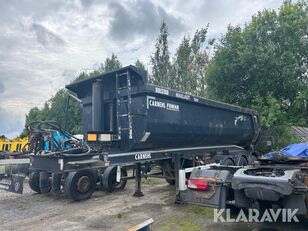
(78, 185)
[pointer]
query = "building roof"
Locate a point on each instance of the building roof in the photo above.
(301, 133)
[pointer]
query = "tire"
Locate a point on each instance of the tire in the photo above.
(44, 182)
(171, 182)
(108, 179)
(56, 182)
(242, 161)
(34, 181)
(306, 201)
(80, 185)
(227, 161)
(168, 171)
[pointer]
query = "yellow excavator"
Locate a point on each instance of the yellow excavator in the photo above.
(14, 147)
(14, 163)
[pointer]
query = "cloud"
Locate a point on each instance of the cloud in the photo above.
(44, 44)
(10, 123)
(46, 37)
(87, 3)
(219, 13)
(140, 18)
(1, 88)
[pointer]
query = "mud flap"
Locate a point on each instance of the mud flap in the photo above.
(13, 183)
(216, 194)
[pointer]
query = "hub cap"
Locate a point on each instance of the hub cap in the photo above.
(83, 184)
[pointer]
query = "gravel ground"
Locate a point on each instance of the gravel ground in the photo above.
(116, 211)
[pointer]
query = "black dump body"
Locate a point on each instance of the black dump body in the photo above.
(129, 114)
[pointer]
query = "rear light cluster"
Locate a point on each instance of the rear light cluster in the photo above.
(199, 184)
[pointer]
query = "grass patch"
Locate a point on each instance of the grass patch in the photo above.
(119, 215)
(39, 198)
(202, 211)
(181, 224)
(150, 181)
(191, 218)
(21, 204)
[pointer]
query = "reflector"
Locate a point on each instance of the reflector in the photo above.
(92, 137)
(199, 184)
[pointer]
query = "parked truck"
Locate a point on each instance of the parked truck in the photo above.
(279, 182)
(204, 147)
(129, 122)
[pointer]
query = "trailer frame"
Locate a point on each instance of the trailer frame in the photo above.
(100, 162)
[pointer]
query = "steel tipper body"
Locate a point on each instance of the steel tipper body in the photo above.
(125, 110)
(127, 121)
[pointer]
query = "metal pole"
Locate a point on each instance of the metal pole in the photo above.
(138, 192)
(66, 112)
(177, 166)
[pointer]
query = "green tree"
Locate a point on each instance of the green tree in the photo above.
(191, 61)
(111, 64)
(54, 109)
(33, 115)
(84, 75)
(272, 117)
(140, 65)
(267, 57)
(160, 60)
(181, 68)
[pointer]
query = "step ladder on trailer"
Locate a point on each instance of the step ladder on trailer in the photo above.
(124, 114)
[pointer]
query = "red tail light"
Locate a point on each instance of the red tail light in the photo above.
(199, 184)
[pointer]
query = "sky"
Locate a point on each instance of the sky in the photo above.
(45, 44)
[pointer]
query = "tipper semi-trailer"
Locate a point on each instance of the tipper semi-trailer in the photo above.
(128, 122)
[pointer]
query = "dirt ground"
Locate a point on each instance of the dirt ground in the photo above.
(116, 211)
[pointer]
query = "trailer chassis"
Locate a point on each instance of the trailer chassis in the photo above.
(102, 165)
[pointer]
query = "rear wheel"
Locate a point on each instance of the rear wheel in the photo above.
(34, 181)
(44, 182)
(168, 171)
(109, 179)
(80, 185)
(171, 182)
(306, 201)
(242, 161)
(227, 161)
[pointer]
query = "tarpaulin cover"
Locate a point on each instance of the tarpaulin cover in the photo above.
(293, 150)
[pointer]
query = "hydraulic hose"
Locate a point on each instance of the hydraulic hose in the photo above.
(53, 126)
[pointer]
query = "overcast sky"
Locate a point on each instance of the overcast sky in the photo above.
(45, 44)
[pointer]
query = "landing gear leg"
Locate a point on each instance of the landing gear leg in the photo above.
(138, 192)
(177, 166)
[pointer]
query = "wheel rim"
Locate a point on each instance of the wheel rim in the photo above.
(83, 184)
(116, 184)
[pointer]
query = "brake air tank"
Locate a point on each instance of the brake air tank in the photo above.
(146, 117)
